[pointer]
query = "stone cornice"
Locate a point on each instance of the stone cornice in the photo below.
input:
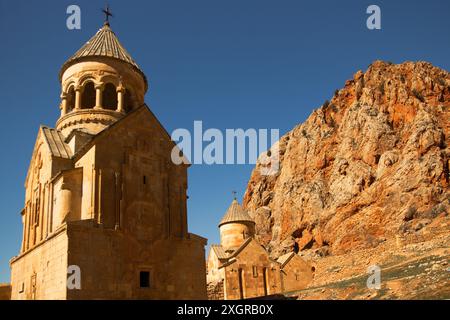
(60, 230)
(95, 115)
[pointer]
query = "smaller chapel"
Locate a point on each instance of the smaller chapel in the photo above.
(241, 268)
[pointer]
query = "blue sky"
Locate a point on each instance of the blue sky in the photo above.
(232, 64)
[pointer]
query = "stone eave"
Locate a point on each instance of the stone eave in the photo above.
(58, 231)
(70, 63)
(62, 172)
(229, 262)
(196, 237)
(291, 255)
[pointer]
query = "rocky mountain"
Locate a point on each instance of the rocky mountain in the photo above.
(368, 167)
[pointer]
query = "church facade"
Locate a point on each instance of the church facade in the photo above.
(240, 268)
(102, 195)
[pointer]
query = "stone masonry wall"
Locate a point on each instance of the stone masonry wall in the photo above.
(41, 274)
(5, 292)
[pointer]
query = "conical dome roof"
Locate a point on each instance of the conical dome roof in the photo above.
(236, 213)
(103, 44)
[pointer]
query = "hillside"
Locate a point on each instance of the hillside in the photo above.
(367, 170)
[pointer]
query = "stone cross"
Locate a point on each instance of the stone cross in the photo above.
(108, 14)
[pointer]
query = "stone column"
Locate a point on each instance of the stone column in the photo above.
(24, 225)
(120, 94)
(28, 213)
(77, 98)
(65, 203)
(98, 96)
(63, 104)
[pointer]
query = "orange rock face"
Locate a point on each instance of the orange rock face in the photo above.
(369, 165)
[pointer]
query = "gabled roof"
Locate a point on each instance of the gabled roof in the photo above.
(103, 44)
(78, 132)
(239, 250)
(56, 144)
(285, 258)
(235, 213)
(229, 258)
(219, 251)
(138, 112)
(53, 139)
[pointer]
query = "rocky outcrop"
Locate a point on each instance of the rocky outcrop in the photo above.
(369, 165)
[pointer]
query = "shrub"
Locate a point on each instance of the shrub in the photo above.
(435, 211)
(381, 88)
(304, 133)
(418, 95)
(441, 81)
(332, 123)
(410, 213)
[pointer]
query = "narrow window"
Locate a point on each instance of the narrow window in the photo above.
(266, 281)
(37, 208)
(255, 271)
(144, 279)
(241, 284)
(144, 179)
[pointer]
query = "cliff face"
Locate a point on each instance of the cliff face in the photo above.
(370, 165)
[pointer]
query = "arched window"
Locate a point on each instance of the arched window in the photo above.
(88, 96)
(110, 97)
(127, 101)
(70, 99)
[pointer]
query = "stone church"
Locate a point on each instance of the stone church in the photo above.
(241, 268)
(102, 194)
